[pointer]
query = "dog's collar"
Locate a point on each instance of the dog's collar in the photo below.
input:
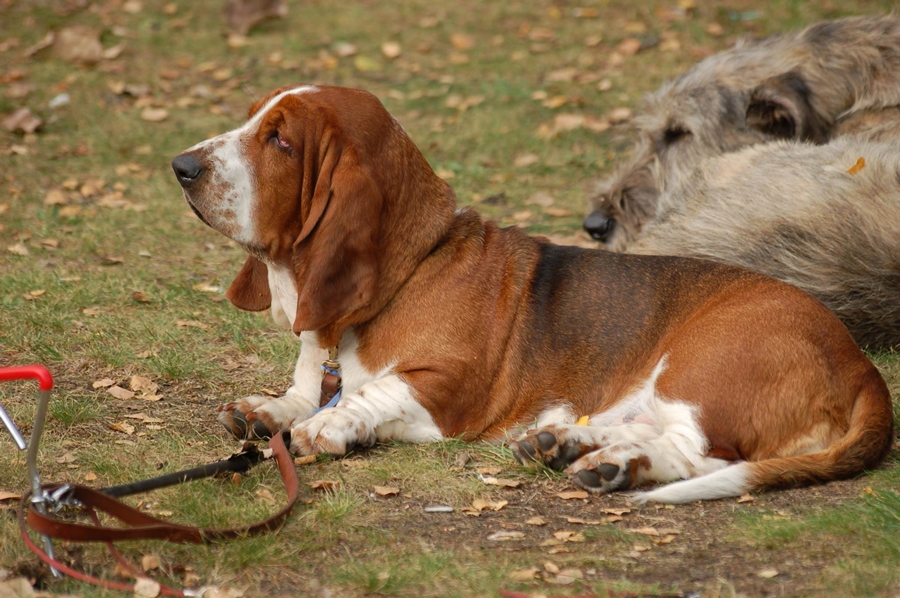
(331, 380)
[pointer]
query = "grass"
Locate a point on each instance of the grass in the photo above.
(867, 530)
(112, 292)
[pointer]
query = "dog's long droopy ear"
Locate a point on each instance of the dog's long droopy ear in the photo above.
(250, 289)
(336, 260)
(782, 107)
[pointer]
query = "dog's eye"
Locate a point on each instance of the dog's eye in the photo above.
(673, 134)
(280, 141)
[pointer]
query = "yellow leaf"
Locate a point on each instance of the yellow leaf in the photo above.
(860, 164)
(123, 427)
(573, 494)
(386, 490)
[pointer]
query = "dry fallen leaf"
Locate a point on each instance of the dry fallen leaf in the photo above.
(18, 249)
(503, 536)
(143, 385)
(22, 121)
(104, 383)
(746, 498)
(573, 494)
(629, 46)
(581, 521)
(538, 521)
(462, 41)
(489, 470)
(78, 44)
(619, 115)
(501, 482)
(305, 460)
(4, 495)
(524, 574)
(66, 458)
(119, 392)
(386, 490)
(123, 427)
(154, 115)
(325, 485)
(141, 297)
(615, 511)
(149, 562)
(391, 49)
(89, 476)
(768, 573)
(646, 531)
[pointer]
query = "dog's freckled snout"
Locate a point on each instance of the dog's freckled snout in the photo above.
(599, 226)
(187, 169)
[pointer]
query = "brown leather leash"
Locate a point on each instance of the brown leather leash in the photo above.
(138, 525)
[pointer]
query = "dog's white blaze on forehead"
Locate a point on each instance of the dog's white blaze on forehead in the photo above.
(232, 171)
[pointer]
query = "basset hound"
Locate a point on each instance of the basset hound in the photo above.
(712, 379)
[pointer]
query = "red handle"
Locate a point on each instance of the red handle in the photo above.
(22, 372)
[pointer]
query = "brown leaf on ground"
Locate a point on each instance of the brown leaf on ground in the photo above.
(79, 45)
(615, 511)
(305, 460)
(104, 383)
(325, 484)
(523, 574)
(154, 115)
(391, 49)
(55, 197)
(18, 249)
(66, 458)
(581, 521)
(149, 562)
(143, 384)
(462, 41)
(538, 521)
(123, 427)
(629, 46)
(503, 536)
(491, 481)
(141, 297)
(243, 15)
(120, 393)
(489, 469)
(386, 490)
(646, 531)
(22, 121)
(191, 324)
(5, 495)
(572, 494)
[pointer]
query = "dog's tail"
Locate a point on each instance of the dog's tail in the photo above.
(865, 444)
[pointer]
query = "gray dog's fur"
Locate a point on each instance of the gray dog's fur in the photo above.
(795, 211)
(807, 86)
(791, 209)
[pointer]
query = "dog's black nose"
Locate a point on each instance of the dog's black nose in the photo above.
(599, 226)
(187, 169)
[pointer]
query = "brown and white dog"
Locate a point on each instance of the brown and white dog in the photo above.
(448, 326)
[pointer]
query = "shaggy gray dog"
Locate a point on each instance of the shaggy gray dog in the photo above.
(824, 218)
(810, 85)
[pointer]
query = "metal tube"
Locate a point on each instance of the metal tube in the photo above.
(31, 459)
(13, 430)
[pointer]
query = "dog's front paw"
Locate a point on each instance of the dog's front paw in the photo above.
(600, 472)
(552, 445)
(332, 432)
(249, 419)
